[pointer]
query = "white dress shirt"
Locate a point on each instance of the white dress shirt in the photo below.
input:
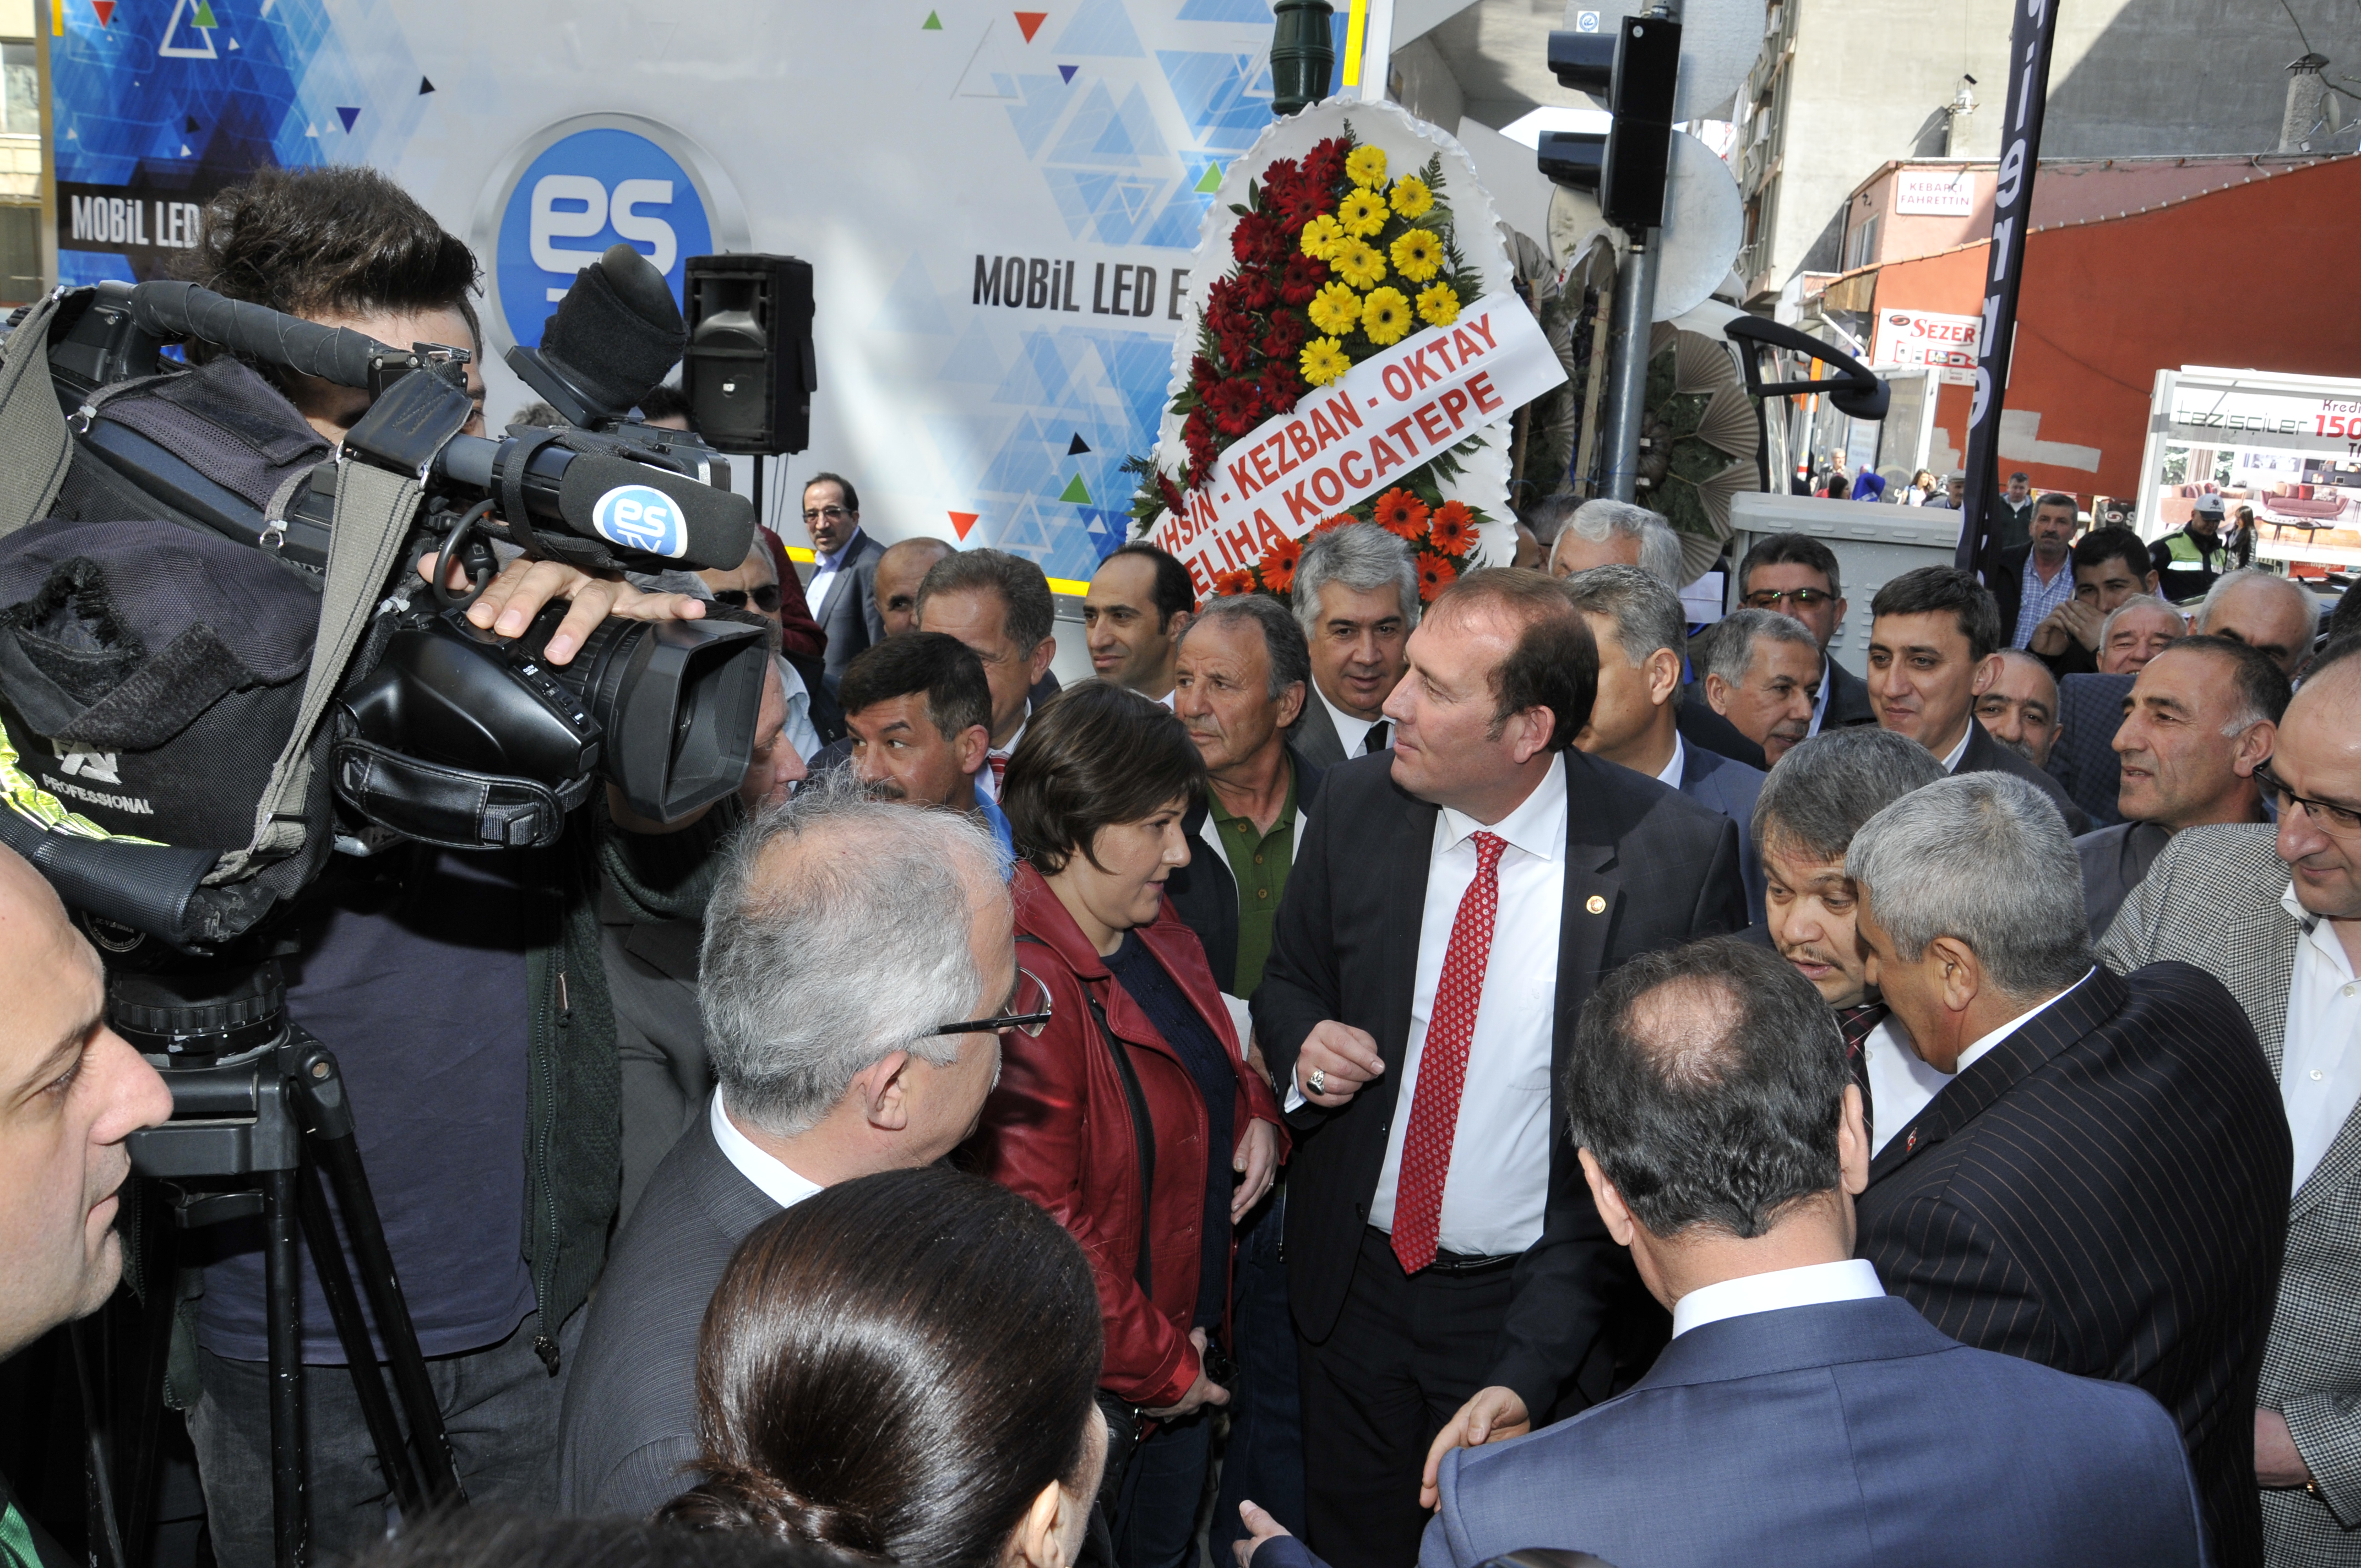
(986, 784)
(1951, 762)
(824, 570)
(1671, 777)
(1354, 732)
(2319, 1072)
(1897, 1071)
(798, 729)
(1497, 1188)
(1814, 1284)
(781, 1186)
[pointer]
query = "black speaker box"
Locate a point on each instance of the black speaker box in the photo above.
(749, 372)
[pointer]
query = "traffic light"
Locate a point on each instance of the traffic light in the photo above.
(1635, 71)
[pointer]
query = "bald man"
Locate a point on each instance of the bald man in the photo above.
(71, 1092)
(899, 572)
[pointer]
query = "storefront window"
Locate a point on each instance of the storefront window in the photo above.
(20, 91)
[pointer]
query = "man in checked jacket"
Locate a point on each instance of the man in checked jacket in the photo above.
(2100, 1186)
(2275, 913)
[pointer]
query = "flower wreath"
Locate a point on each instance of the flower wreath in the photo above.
(1335, 262)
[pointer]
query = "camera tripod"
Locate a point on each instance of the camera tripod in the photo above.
(259, 1112)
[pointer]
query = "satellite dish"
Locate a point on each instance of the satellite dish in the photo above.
(1719, 41)
(1705, 222)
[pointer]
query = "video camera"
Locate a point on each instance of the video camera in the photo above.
(438, 731)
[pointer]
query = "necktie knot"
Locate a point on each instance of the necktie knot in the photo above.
(1489, 847)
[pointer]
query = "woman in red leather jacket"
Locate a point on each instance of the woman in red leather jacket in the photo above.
(1094, 796)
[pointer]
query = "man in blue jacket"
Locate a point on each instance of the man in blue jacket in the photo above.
(1800, 1415)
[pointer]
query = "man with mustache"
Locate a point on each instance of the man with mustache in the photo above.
(917, 708)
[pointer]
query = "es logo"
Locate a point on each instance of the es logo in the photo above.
(637, 516)
(98, 767)
(581, 194)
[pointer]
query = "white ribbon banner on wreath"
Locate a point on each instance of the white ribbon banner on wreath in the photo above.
(1357, 436)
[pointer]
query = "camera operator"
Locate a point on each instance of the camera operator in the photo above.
(71, 1091)
(462, 993)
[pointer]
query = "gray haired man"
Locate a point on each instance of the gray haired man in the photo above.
(2101, 1184)
(859, 965)
(1609, 533)
(1356, 600)
(1761, 671)
(2273, 615)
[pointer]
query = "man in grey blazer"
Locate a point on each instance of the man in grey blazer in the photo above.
(843, 587)
(858, 955)
(1637, 622)
(1356, 600)
(2275, 915)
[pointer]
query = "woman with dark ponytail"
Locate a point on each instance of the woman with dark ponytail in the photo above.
(903, 1367)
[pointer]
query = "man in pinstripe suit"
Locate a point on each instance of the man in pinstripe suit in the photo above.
(2275, 912)
(2100, 1186)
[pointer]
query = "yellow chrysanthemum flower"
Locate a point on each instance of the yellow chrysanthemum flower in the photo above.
(1385, 316)
(1335, 310)
(1366, 166)
(1438, 305)
(1411, 197)
(1323, 361)
(1361, 212)
(1418, 255)
(1359, 264)
(1321, 237)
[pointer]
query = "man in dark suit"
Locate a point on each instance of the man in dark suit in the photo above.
(1796, 574)
(2102, 1184)
(1639, 626)
(1357, 598)
(1761, 671)
(1934, 650)
(1443, 1253)
(999, 605)
(1799, 1411)
(829, 1067)
(843, 587)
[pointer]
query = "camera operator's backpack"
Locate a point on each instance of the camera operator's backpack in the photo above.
(162, 685)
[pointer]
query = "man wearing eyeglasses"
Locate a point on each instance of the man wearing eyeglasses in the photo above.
(844, 932)
(2275, 913)
(843, 589)
(1796, 575)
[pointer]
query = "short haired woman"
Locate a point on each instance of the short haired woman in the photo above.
(904, 1366)
(1128, 1115)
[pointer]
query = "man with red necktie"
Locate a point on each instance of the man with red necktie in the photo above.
(1447, 915)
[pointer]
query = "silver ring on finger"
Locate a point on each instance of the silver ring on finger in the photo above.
(1319, 1081)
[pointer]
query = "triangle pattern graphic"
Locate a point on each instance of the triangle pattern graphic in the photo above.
(1078, 447)
(962, 521)
(188, 121)
(204, 16)
(990, 73)
(348, 116)
(195, 41)
(933, 24)
(912, 306)
(1101, 27)
(1030, 22)
(106, 10)
(425, 86)
(1211, 181)
(1074, 492)
(1068, 72)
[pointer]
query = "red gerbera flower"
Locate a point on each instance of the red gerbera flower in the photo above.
(1222, 294)
(1202, 375)
(1251, 239)
(1236, 405)
(1324, 166)
(1227, 585)
(1278, 569)
(1400, 515)
(1450, 529)
(1255, 290)
(1287, 334)
(1238, 353)
(1434, 574)
(1173, 500)
(1280, 386)
(1342, 520)
(1302, 280)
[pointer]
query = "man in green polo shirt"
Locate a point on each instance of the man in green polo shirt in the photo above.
(71, 1091)
(1240, 674)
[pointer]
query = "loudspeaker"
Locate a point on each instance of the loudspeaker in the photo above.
(749, 372)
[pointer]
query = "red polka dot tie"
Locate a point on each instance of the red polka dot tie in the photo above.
(999, 760)
(1443, 1064)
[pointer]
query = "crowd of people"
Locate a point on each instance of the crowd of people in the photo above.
(1404, 1081)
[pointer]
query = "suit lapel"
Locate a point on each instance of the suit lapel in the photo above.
(2016, 1058)
(1594, 902)
(1409, 843)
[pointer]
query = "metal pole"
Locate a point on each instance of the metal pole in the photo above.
(291, 1512)
(1627, 385)
(1378, 52)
